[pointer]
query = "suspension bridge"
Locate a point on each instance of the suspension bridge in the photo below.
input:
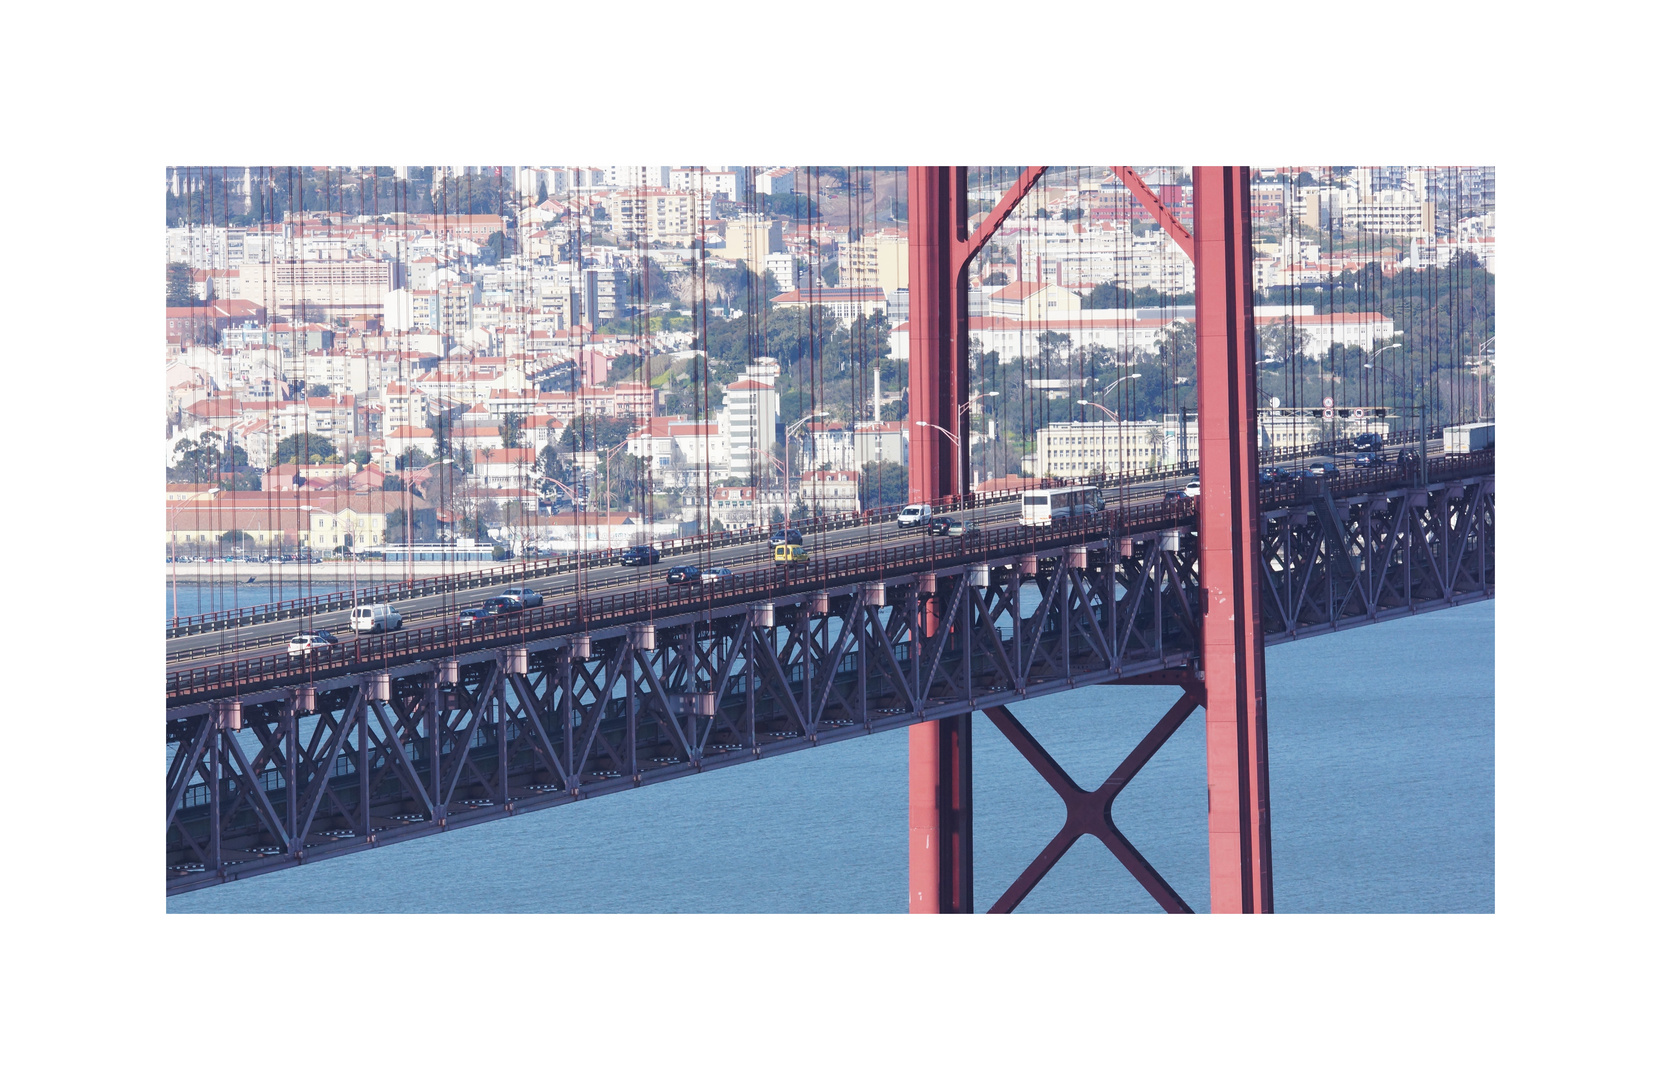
(621, 679)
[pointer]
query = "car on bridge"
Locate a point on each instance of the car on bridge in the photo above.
(1367, 459)
(503, 605)
(913, 515)
(683, 575)
(940, 525)
(375, 618)
(962, 528)
(641, 555)
(715, 575)
(785, 536)
(526, 595)
(789, 555)
(473, 616)
(1192, 491)
(317, 641)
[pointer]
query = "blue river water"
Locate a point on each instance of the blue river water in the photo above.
(224, 592)
(1381, 749)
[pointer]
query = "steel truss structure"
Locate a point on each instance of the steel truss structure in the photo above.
(289, 774)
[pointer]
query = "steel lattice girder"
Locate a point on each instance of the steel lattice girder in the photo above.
(516, 733)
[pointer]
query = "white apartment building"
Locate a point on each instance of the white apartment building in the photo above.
(1075, 450)
(748, 417)
(751, 238)
(782, 266)
(1395, 212)
(826, 491)
(775, 181)
(664, 217)
(637, 176)
(697, 179)
(1012, 339)
(207, 247)
(326, 289)
(845, 304)
(833, 445)
(879, 259)
(751, 408)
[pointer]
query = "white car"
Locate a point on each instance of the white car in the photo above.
(715, 575)
(1192, 491)
(306, 644)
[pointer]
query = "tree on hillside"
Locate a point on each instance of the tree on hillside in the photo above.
(511, 428)
(883, 483)
(202, 462)
(306, 449)
(180, 289)
(596, 432)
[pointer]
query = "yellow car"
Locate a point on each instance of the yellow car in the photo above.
(787, 554)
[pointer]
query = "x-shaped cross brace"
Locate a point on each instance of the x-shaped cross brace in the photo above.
(1092, 811)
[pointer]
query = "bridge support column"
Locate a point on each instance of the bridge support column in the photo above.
(1237, 745)
(939, 254)
(939, 749)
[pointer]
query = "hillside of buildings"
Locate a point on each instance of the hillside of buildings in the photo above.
(542, 357)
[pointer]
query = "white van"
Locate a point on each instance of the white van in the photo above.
(376, 618)
(915, 514)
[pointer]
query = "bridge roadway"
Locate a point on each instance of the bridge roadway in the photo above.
(275, 763)
(271, 639)
(268, 640)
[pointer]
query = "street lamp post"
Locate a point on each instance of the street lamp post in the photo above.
(958, 445)
(943, 431)
(173, 550)
(1368, 363)
(605, 460)
(974, 396)
(1111, 415)
(788, 432)
(1484, 373)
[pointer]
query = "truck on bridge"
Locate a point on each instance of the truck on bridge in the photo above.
(1467, 438)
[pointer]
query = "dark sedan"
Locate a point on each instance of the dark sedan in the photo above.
(473, 616)
(941, 525)
(684, 575)
(641, 555)
(786, 536)
(503, 605)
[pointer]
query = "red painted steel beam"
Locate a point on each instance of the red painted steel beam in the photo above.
(964, 252)
(933, 330)
(1150, 202)
(1236, 714)
(940, 791)
(1091, 812)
